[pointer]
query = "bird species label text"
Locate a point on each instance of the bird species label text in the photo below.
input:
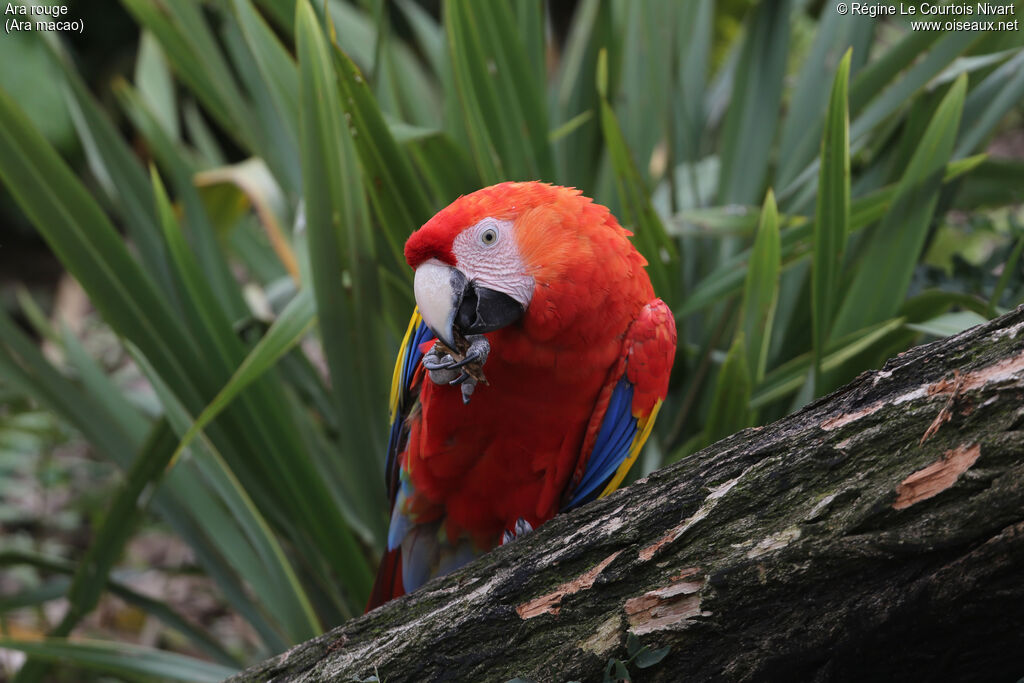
(19, 17)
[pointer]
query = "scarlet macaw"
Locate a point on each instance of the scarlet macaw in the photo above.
(568, 360)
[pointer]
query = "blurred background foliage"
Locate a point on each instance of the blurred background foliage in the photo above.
(203, 207)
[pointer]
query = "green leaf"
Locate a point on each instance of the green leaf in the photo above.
(948, 324)
(871, 103)
(116, 167)
(121, 659)
(832, 213)
(651, 238)
(343, 268)
(287, 331)
(834, 36)
(884, 270)
(161, 610)
(275, 65)
(156, 85)
(397, 197)
(750, 123)
(761, 291)
(647, 657)
(1009, 268)
(579, 155)
(89, 246)
(24, 368)
(728, 277)
(192, 50)
(989, 102)
(113, 533)
(280, 476)
(693, 39)
(180, 170)
(730, 404)
(997, 182)
(249, 542)
(792, 375)
(632, 644)
(498, 92)
(647, 56)
(926, 64)
(616, 671)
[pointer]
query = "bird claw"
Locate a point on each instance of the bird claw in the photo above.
(521, 528)
(444, 369)
(443, 363)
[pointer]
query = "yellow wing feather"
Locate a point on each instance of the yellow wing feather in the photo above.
(403, 351)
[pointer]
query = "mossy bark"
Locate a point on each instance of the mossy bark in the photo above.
(878, 534)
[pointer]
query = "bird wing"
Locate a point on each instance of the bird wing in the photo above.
(627, 406)
(404, 394)
(404, 397)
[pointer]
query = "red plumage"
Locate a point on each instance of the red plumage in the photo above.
(517, 449)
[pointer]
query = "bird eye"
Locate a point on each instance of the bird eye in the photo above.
(489, 237)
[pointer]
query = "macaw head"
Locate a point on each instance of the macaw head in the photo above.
(481, 260)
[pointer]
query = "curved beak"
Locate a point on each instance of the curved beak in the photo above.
(449, 302)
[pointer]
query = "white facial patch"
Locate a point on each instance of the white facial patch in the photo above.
(488, 254)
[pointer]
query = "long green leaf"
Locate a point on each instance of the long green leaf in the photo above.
(572, 94)
(730, 409)
(340, 248)
(245, 530)
(761, 291)
(989, 102)
(754, 111)
(886, 267)
(832, 213)
(398, 199)
(121, 659)
(502, 102)
(24, 368)
(192, 50)
(161, 610)
(651, 238)
(792, 375)
(92, 573)
(729, 276)
(871, 103)
(27, 369)
(834, 35)
(644, 102)
(89, 246)
(287, 331)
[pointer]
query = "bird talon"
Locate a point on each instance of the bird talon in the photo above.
(472, 357)
(463, 376)
(445, 363)
(521, 528)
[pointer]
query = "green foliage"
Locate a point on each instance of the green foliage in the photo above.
(301, 142)
(639, 656)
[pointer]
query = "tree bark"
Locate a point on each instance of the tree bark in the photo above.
(877, 534)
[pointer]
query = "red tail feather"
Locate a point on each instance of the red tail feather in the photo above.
(389, 580)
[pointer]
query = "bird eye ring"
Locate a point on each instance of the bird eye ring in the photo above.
(489, 237)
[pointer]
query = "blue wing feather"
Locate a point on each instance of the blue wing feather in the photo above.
(612, 447)
(409, 357)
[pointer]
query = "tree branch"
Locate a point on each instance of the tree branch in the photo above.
(877, 533)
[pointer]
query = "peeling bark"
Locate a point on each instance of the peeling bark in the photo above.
(878, 534)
